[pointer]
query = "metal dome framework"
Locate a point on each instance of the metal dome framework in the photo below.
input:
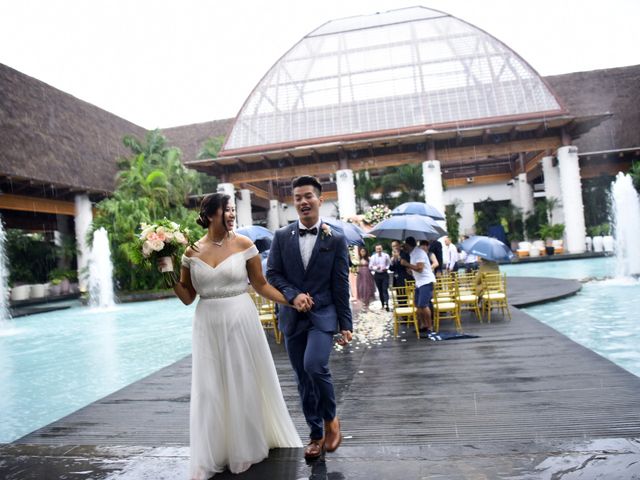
(401, 70)
(404, 86)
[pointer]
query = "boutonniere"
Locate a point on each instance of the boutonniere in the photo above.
(326, 230)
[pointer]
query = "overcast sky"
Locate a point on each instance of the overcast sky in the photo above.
(161, 63)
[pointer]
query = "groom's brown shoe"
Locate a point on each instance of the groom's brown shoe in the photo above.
(332, 435)
(314, 449)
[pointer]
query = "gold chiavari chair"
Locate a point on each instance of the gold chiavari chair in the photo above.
(404, 310)
(494, 294)
(445, 306)
(267, 314)
(467, 295)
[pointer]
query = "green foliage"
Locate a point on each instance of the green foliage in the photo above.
(487, 214)
(537, 218)
(211, 147)
(597, 230)
(453, 217)
(596, 200)
(152, 184)
(406, 180)
(30, 257)
(635, 175)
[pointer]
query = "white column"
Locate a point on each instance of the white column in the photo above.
(432, 177)
(282, 214)
(467, 218)
(346, 193)
(273, 215)
(228, 189)
(526, 194)
(552, 188)
(243, 209)
(83, 219)
(572, 199)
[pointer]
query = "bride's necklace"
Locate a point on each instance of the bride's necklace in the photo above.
(218, 244)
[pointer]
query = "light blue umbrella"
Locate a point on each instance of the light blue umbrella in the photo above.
(418, 208)
(488, 248)
(258, 235)
(400, 227)
(353, 233)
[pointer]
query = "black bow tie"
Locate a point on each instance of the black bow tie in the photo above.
(311, 231)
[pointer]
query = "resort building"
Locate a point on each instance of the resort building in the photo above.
(357, 94)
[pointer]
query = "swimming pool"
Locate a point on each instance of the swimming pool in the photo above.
(604, 316)
(52, 364)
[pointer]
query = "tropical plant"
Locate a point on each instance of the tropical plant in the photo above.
(407, 179)
(211, 147)
(453, 217)
(30, 256)
(635, 175)
(151, 184)
(487, 214)
(596, 200)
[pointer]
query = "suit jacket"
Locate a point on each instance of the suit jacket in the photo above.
(326, 279)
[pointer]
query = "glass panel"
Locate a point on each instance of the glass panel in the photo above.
(404, 68)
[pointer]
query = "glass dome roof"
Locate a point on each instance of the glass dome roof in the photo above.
(392, 71)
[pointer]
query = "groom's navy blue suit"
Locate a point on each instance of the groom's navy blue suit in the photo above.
(309, 336)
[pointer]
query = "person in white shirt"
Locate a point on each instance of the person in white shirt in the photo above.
(450, 255)
(379, 264)
(422, 264)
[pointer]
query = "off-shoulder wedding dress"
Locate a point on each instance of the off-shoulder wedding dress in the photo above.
(237, 409)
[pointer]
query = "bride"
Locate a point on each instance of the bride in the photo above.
(237, 409)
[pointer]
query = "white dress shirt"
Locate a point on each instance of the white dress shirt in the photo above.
(307, 242)
(379, 263)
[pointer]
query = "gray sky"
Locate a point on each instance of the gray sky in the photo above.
(161, 63)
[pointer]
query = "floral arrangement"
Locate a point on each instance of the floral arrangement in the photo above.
(376, 214)
(162, 241)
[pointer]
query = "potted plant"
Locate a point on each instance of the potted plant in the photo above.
(546, 231)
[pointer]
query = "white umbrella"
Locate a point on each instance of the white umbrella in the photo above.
(400, 227)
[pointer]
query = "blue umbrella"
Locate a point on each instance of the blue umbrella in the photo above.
(488, 248)
(258, 235)
(418, 208)
(352, 232)
(400, 227)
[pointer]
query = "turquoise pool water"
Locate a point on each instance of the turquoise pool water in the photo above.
(601, 267)
(52, 364)
(604, 316)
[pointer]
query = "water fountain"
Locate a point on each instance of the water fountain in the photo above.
(625, 218)
(100, 271)
(4, 278)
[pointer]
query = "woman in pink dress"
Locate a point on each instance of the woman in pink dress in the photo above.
(365, 284)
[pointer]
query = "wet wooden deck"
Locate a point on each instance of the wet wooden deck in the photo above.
(519, 381)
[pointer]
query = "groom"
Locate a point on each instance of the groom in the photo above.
(309, 264)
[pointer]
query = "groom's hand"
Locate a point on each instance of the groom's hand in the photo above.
(346, 337)
(303, 302)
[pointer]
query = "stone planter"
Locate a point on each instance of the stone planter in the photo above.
(608, 243)
(598, 245)
(20, 292)
(588, 243)
(64, 286)
(37, 291)
(54, 290)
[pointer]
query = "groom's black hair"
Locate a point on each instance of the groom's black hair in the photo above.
(303, 180)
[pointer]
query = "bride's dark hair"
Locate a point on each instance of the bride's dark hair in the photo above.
(210, 205)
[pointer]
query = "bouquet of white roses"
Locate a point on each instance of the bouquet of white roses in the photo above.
(162, 241)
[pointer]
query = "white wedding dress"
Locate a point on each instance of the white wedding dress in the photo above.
(237, 409)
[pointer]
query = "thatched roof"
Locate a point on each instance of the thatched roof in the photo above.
(614, 90)
(53, 138)
(190, 138)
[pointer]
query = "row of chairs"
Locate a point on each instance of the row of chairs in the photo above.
(453, 294)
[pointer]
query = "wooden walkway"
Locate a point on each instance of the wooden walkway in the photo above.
(520, 382)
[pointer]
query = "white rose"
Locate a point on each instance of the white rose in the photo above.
(156, 245)
(180, 238)
(146, 249)
(146, 231)
(174, 225)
